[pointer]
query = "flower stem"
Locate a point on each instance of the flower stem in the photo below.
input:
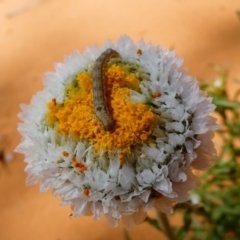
(163, 219)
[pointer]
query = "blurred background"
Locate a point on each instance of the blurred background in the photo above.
(35, 34)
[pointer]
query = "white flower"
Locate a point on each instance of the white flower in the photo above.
(162, 131)
(195, 198)
(218, 83)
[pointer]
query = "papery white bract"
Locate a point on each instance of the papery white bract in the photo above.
(163, 131)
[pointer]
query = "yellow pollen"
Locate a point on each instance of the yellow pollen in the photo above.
(53, 108)
(75, 116)
(132, 82)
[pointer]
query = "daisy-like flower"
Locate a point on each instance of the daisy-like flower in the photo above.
(162, 131)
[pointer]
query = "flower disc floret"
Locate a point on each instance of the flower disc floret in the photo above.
(75, 115)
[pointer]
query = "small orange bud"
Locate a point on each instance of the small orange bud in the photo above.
(121, 159)
(143, 137)
(54, 101)
(82, 167)
(86, 192)
(156, 94)
(139, 52)
(65, 153)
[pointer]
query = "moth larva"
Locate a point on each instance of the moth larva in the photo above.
(99, 98)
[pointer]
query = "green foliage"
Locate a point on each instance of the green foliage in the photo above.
(154, 222)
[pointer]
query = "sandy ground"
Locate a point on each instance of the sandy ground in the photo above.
(35, 34)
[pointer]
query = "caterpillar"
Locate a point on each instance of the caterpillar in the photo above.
(99, 98)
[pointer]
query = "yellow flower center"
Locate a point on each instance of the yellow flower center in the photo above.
(75, 116)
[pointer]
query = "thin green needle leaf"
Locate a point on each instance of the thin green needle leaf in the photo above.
(126, 235)
(221, 102)
(154, 222)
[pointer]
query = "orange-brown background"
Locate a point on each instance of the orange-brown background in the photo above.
(34, 34)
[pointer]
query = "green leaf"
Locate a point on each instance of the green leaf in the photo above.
(126, 235)
(187, 219)
(180, 233)
(154, 222)
(216, 214)
(225, 103)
